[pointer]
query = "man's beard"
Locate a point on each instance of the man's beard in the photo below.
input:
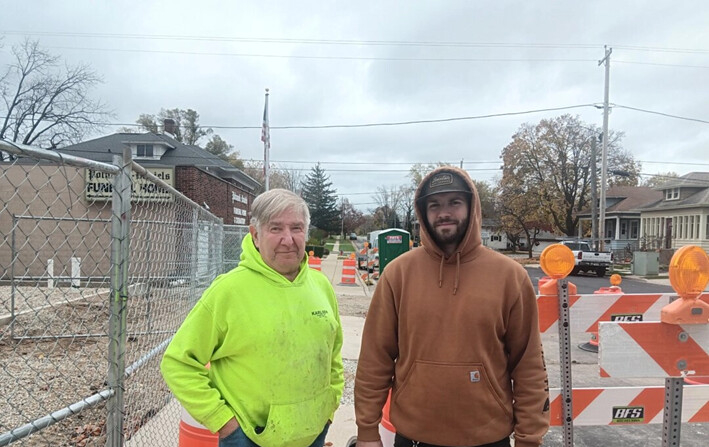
(450, 237)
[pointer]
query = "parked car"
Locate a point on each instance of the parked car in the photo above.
(587, 260)
(353, 236)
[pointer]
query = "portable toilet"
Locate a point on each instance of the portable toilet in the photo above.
(392, 243)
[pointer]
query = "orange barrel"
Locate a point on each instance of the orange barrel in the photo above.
(315, 263)
(349, 272)
(386, 429)
(193, 434)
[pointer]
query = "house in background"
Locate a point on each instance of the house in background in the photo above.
(492, 235)
(680, 216)
(623, 220)
(206, 179)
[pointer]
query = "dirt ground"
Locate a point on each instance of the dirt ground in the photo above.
(353, 305)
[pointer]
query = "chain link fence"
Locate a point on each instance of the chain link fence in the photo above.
(233, 235)
(91, 292)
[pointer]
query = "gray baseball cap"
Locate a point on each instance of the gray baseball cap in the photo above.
(445, 181)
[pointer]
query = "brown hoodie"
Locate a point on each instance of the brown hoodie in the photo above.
(457, 339)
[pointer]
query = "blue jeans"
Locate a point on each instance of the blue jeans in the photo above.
(239, 439)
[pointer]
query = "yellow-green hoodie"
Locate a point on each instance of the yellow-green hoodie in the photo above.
(274, 350)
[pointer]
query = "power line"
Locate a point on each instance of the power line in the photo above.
(349, 126)
(357, 42)
(292, 56)
(663, 114)
(304, 41)
(660, 49)
(661, 64)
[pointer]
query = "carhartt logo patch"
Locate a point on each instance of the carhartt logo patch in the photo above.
(441, 180)
(475, 376)
(319, 313)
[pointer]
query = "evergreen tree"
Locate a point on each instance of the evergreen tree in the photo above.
(321, 199)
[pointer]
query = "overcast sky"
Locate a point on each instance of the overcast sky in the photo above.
(344, 63)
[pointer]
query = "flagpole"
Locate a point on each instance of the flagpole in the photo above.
(266, 138)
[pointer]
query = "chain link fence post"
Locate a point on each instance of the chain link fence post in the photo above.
(120, 239)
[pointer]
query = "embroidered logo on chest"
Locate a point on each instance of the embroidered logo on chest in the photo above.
(320, 313)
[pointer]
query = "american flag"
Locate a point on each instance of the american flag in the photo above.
(265, 131)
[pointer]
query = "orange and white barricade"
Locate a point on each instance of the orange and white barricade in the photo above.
(632, 345)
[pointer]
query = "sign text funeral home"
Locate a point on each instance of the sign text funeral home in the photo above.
(99, 185)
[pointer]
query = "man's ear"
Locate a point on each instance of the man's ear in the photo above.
(254, 235)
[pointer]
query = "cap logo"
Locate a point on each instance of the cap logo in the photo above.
(442, 179)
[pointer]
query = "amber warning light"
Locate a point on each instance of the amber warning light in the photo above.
(557, 261)
(689, 275)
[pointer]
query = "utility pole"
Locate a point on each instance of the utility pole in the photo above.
(594, 196)
(342, 218)
(604, 151)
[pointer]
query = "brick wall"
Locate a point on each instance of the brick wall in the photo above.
(218, 194)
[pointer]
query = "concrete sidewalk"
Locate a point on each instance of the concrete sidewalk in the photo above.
(343, 426)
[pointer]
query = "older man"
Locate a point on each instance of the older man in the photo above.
(271, 332)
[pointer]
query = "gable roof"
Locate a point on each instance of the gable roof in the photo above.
(698, 181)
(691, 180)
(630, 199)
(178, 154)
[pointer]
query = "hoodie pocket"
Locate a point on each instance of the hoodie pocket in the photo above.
(297, 424)
(453, 394)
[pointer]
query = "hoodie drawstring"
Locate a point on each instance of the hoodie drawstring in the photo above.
(440, 273)
(457, 272)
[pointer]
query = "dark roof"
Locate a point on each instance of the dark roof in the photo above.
(691, 180)
(178, 154)
(697, 181)
(631, 198)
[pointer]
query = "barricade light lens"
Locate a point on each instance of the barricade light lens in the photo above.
(311, 253)
(616, 279)
(689, 271)
(557, 261)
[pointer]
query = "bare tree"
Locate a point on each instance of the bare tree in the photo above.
(45, 103)
(388, 201)
(406, 206)
(186, 130)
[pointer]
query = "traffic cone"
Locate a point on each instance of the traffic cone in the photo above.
(349, 271)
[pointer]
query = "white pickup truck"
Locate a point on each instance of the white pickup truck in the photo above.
(588, 260)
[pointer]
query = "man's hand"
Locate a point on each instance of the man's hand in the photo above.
(229, 428)
(370, 443)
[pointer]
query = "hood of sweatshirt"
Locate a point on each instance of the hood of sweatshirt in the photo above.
(251, 259)
(471, 244)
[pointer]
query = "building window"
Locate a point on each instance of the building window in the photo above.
(672, 194)
(634, 229)
(145, 150)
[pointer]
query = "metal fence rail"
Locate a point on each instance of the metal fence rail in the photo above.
(90, 294)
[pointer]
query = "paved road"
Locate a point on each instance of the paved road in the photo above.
(591, 283)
